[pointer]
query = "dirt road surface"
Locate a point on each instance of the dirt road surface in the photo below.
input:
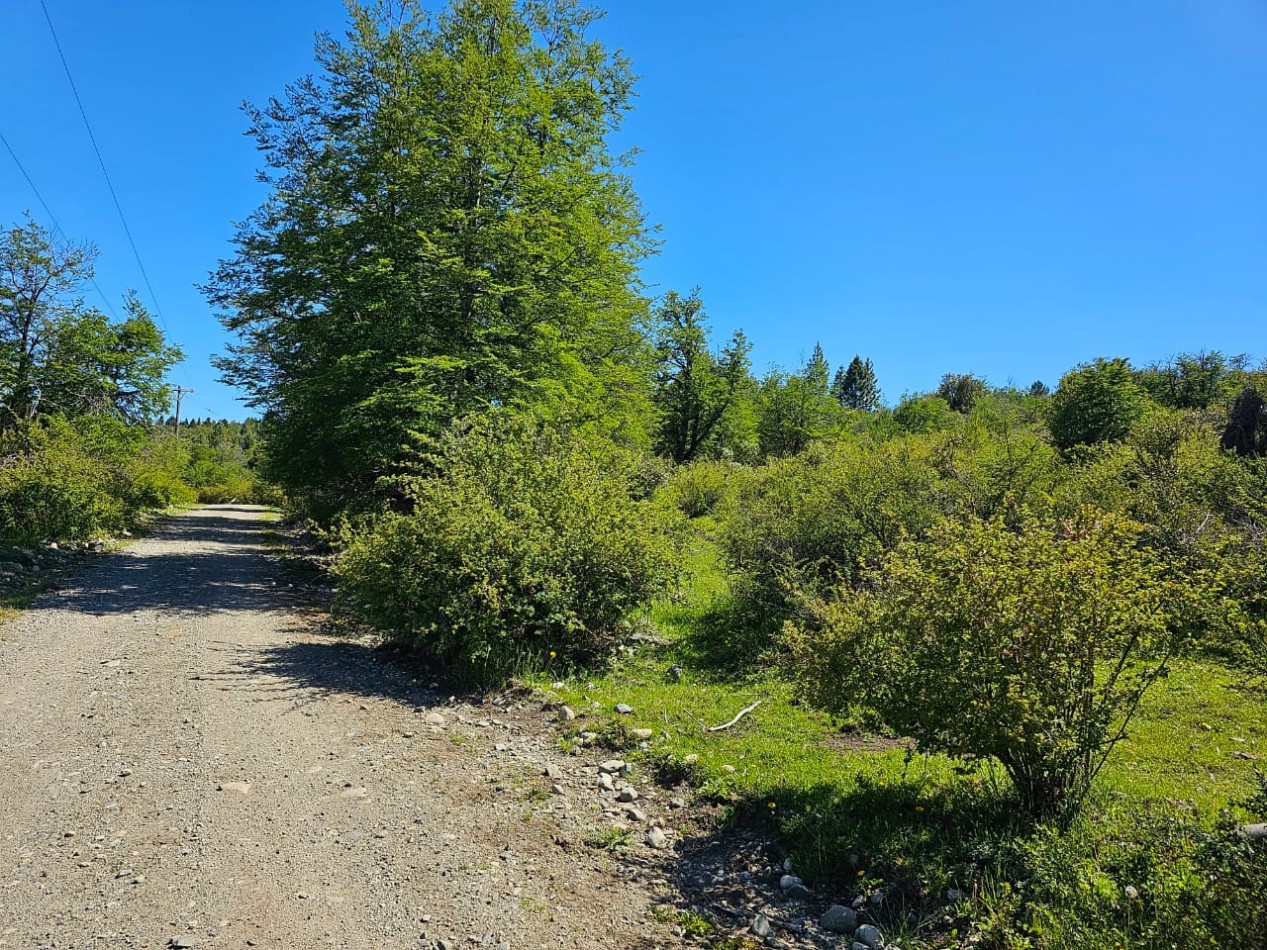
(186, 759)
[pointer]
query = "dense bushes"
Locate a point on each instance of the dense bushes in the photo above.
(813, 520)
(699, 488)
(1029, 647)
(520, 544)
(1153, 877)
(96, 476)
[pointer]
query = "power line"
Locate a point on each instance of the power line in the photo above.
(101, 161)
(53, 218)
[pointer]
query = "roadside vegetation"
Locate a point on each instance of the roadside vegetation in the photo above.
(1007, 643)
(85, 451)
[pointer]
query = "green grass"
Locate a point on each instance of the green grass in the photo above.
(858, 811)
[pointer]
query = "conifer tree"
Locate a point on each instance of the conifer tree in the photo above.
(856, 387)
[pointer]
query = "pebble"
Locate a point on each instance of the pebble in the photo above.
(433, 719)
(656, 838)
(627, 794)
(624, 709)
(241, 788)
(839, 919)
(606, 782)
(677, 803)
(761, 926)
(566, 714)
(868, 936)
(642, 734)
(612, 766)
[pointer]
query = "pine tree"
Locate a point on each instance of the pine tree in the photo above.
(855, 387)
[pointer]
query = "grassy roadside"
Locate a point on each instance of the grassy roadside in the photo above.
(861, 812)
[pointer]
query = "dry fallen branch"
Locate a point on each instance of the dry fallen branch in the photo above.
(743, 712)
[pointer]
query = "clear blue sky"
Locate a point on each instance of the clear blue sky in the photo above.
(994, 187)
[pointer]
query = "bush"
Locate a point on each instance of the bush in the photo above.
(699, 488)
(1097, 402)
(812, 521)
(96, 476)
(1029, 647)
(1153, 877)
(521, 543)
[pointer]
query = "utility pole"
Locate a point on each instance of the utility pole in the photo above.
(180, 393)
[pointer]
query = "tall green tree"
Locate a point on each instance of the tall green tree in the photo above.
(794, 409)
(961, 390)
(856, 387)
(694, 388)
(447, 231)
(40, 280)
(60, 357)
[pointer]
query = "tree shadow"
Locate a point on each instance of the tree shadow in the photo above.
(725, 640)
(220, 564)
(910, 841)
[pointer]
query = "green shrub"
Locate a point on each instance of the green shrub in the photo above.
(1097, 402)
(94, 476)
(1028, 647)
(523, 543)
(814, 520)
(1144, 878)
(699, 488)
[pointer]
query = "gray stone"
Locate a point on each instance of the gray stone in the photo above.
(839, 919)
(566, 714)
(953, 895)
(627, 794)
(656, 838)
(789, 880)
(869, 936)
(612, 766)
(877, 898)
(642, 734)
(761, 926)
(624, 709)
(606, 782)
(182, 943)
(433, 719)
(1255, 832)
(799, 892)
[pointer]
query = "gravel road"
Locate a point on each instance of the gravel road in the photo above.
(187, 759)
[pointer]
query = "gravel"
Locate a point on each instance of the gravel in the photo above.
(177, 712)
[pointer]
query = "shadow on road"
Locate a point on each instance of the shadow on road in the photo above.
(214, 560)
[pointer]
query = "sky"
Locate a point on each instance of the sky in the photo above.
(998, 188)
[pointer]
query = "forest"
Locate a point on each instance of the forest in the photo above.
(1009, 641)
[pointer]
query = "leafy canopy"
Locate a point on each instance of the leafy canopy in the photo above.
(446, 232)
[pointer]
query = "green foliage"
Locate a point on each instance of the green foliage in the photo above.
(794, 409)
(700, 488)
(1246, 430)
(920, 414)
(961, 391)
(1193, 380)
(1030, 647)
(97, 476)
(856, 387)
(694, 389)
(522, 544)
(1158, 877)
(816, 519)
(1097, 402)
(446, 232)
